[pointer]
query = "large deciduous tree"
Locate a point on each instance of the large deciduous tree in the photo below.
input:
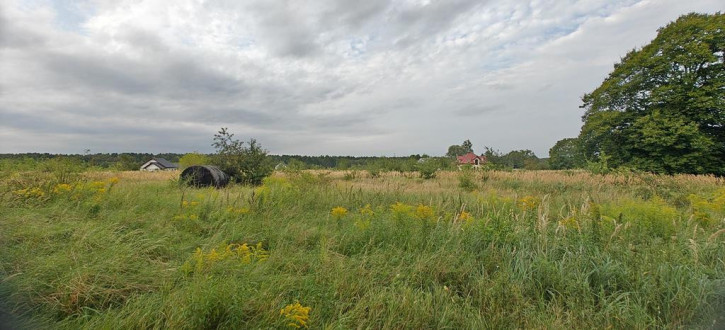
(662, 109)
(565, 154)
(459, 150)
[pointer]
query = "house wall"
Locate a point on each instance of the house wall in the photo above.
(151, 167)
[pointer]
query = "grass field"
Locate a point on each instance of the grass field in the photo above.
(466, 250)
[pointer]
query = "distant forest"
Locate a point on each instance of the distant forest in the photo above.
(133, 161)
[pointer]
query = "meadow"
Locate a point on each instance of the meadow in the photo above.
(342, 249)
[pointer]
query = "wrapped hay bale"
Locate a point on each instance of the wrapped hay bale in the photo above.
(204, 176)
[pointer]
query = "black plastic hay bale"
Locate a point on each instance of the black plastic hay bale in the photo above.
(204, 176)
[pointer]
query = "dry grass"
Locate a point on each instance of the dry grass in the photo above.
(134, 175)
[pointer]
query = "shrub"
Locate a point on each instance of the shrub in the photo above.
(247, 164)
(191, 159)
(465, 180)
(428, 168)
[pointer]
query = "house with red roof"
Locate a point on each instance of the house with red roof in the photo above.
(471, 159)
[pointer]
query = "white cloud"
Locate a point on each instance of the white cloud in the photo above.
(322, 77)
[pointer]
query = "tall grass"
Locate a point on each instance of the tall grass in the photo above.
(541, 249)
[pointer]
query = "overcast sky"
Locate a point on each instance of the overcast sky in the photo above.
(352, 77)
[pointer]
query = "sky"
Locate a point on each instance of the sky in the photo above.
(323, 77)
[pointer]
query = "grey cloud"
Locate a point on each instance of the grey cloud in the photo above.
(97, 73)
(500, 86)
(353, 14)
(479, 67)
(473, 111)
(13, 37)
(418, 22)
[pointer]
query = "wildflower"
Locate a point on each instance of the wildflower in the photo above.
(113, 180)
(62, 188)
(97, 184)
(401, 210)
(193, 217)
(367, 211)
(528, 203)
(30, 193)
(465, 216)
(296, 314)
(243, 253)
(338, 212)
(424, 212)
(213, 256)
(569, 223)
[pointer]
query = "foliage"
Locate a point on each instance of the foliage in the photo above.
(127, 163)
(661, 109)
(459, 150)
(565, 154)
(428, 167)
(466, 180)
(601, 166)
(193, 158)
(246, 163)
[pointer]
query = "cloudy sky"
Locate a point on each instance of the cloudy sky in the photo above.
(339, 77)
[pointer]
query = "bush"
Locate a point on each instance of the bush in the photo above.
(247, 164)
(428, 168)
(465, 180)
(191, 159)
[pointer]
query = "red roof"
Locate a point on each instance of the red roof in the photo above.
(470, 158)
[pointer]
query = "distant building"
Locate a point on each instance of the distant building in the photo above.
(471, 159)
(280, 166)
(159, 164)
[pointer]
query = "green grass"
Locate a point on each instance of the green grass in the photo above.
(542, 250)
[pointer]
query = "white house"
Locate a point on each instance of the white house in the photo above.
(159, 164)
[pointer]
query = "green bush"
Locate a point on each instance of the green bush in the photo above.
(428, 168)
(246, 163)
(466, 180)
(193, 158)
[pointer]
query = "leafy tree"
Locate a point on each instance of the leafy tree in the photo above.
(519, 158)
(493, 156)
(126, 163)
(662, 109)
(566, 154)
(246, 164)
(459, 150)
(427, 168)
(193, 158)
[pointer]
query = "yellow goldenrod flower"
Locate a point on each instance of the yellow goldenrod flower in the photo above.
(338, 212)
(569, 222)
(367, 211)
(62, 188)
(528, 203)
(465, 216)
(401, 210)
(424, 212)
(296, 314)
